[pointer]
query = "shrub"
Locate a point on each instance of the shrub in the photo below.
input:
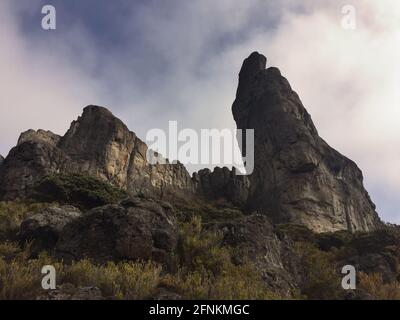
(125, 280)
(80, 190)
(198, 250)
(371, 286)
(208, 213)
(17, 281)
(235, 283)
(296, 232)
(20, 278)
(338, 239)
(12, 213)
(9, 250)
(320, 278)
(375, 241)
(207, 271)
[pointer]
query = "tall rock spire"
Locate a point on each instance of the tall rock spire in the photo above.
(297, 177)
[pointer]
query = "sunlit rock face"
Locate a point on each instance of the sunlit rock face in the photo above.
(98, 144)
(102, 145)
(297, 177)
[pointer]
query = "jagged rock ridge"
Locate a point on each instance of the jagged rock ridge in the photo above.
(98, 144)
(297, 177)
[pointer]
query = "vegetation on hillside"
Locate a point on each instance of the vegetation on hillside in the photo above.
(80, 190)
(205, 267)
(205, 271)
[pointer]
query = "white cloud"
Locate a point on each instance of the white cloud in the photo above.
(41, 87)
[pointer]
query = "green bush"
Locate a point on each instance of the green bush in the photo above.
(375, 241)
(209, 213)
(296, 232)
(330, 240)
(82, 191)
(201, 250)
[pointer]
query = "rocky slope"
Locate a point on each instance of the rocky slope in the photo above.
(298, 177)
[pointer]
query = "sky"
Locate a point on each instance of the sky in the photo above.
(150, 62)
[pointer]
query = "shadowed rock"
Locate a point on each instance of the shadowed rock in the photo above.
(135, 229)
(43, 228)
(255, 239)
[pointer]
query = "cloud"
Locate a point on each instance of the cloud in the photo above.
(153, 62)
(41, 87)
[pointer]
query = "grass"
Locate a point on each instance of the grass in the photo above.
(12, 213)
(373, 287)
(206, 270)
(20, 277)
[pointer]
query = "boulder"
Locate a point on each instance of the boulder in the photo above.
(43, 228)
(135, 229)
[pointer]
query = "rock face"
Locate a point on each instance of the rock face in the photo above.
(98, 144)
(44, 228)
(134, 229)
(222, 183)
(39, 136)
(255, 238)
(34, 157)
(1, 159)
(297, 176)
